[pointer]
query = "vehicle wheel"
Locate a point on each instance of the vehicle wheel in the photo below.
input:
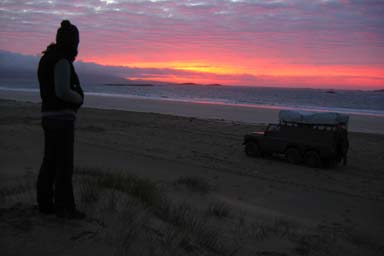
(312, 159)
(329, 163)
(252, 149)
(293, 155)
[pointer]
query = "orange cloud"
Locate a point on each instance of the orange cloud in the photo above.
(256, 73)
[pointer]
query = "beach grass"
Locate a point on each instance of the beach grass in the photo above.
(219, 210)
(137, 216)
(194, 183)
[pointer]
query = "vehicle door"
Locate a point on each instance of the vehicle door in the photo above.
(272, 139)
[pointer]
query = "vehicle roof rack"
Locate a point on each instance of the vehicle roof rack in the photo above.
(313, 118)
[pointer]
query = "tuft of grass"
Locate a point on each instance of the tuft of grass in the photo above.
(142, 189)
(112, 201)
(208, 238)
(195, 184)
(219, 210)
(195, 229)
(282, 228)
(187, 243)
(146, 191)
(177, 240)
(175, 214)
(257, 231)
(89, 191)
(20, 192)
(129, 227)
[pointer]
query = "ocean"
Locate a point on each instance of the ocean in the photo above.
(344, 101)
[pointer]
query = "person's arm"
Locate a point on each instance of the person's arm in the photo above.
(63, 83)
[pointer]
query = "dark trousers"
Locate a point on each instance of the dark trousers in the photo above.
(54, 184)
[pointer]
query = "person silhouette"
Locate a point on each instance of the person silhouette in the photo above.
(61, 96)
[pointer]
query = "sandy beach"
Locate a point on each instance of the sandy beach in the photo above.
(295, 210)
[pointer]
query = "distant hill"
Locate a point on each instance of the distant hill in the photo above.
(128, 84)
(200, 84)
(14, 66)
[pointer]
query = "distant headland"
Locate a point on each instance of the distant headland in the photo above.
(150, 84)
(122, 84)
(200, 84)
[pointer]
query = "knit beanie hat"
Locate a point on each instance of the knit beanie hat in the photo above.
(67, 34)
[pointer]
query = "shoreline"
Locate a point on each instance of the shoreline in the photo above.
(203, 110)
(348, 111)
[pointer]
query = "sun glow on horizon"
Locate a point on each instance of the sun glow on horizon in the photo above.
(211, 72)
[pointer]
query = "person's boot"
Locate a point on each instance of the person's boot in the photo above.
(71, 214)
(46, 209)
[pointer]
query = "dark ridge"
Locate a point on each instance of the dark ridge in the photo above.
(188, 84)
(200, 84)
(141, 85)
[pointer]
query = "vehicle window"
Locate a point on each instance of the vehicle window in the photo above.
(274, 128)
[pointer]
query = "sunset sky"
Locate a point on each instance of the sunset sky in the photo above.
(293, 43)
